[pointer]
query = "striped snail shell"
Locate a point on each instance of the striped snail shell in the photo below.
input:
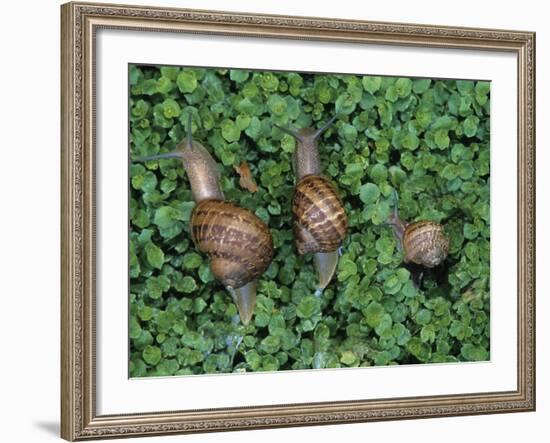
(423, 242)
(237, 242)
(320, 221)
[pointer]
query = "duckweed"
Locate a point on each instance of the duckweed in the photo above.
(426, 138)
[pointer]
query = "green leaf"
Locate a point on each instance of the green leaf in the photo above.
(145, 313)
(470, 125)
(421, 85)
(345, 104)
(151, 355)
(270, 344)
(482, 87)
(403, 86)
(156, 286)
(170, 347)
(270, 363)
(373, 314)
(349, 358)
(346, 268)
(410, 141)
(192, 260)
(369, 193)
(371, 84)
(474, 353)
(155, 256)
(391, 94)
(187, 81)
(465, 87)
(171, 108)
(253, 359)
(308, 307)
(470, 231)
(392, 285)
(230, 131)
(238, 75)
(378, 173)
(135, 328)
(166, 216)
(423, 317)
(188, 284)
(427, 334)
(441, 138)
(277, 105)
(170, 72)
(429, 139)
(419, 349)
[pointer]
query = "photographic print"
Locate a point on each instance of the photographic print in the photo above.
(298, 220)
(292, 201)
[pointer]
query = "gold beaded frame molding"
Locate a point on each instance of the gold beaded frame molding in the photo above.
(79, 420)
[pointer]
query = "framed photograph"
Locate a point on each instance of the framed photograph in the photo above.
(283, 221)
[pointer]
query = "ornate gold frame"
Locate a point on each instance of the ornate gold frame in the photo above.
(79, 21)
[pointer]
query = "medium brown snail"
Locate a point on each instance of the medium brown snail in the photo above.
(320, 221)
(238, 243)
(423, 242)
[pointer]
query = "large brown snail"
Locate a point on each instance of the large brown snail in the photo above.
(320, 221)
(238, 243)
(423, 243)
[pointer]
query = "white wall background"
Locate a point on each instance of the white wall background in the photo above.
(29, 219)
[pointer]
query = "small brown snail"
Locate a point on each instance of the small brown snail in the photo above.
(238, 243)
(320, 221)
(423, 242)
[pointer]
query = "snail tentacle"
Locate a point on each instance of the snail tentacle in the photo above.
(289, 131)
(323, 128)
(190, 130)
(175, 154)
(395, 222)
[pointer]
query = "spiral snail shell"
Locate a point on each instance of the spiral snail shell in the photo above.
(237, 242)
(320, 221)
(423, 242)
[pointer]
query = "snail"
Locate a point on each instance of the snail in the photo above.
(320, 221)
(423, 243)
(238, 243)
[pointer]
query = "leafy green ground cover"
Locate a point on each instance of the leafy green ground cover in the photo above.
(428, 139)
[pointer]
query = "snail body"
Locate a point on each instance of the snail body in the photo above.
(320, 221)
(238, 243)
(423, 243)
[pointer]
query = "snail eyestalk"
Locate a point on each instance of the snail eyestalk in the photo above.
(394, 221)
(190, 130)
(290, 132)
(323, 128)
(306, 156)
(175, 154)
